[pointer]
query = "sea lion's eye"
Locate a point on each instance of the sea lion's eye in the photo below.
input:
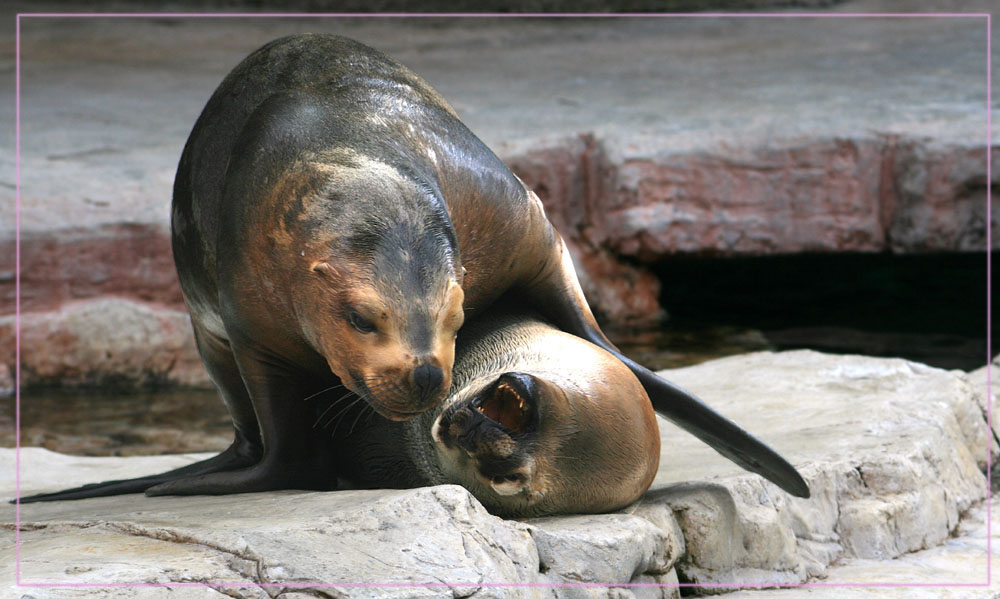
(360, 323)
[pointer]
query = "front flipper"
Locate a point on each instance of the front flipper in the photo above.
(557, 293)
(293, 456)
(239, 455)
(262, 476)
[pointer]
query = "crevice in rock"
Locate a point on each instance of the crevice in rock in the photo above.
(227, 591)
(172, 536)
(321, 594)
(861, 476)
(26, 526)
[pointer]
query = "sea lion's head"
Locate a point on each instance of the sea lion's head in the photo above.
(383, 294)
(529, 445)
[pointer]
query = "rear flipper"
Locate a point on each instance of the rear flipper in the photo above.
(239, 455)
(722, 434)
(556, 290)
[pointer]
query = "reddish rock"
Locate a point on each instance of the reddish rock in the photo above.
(813, 195)
(767, 200)
(570, 177)
(105, 341)
(66, 265)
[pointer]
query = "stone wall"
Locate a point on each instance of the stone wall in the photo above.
(622, 207)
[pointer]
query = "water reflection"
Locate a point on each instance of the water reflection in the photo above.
(102, 422)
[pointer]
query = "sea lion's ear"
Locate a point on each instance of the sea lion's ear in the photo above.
(323, 267)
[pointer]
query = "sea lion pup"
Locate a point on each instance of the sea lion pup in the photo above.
(538, 422)
(333, 221)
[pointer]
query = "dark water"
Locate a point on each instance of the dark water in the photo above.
(927, 308)
(931, 309)
(102, 422)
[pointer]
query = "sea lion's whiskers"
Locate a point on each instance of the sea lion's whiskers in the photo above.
(358, 417)
(335, 403)
(380, 384)
(323, 391)
(328, 408)
(364, 406)
(357, 398)
(340, 415)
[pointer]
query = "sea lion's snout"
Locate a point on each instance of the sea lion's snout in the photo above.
(491, 434)
(427, 381)
(489, 423)
(476, 434)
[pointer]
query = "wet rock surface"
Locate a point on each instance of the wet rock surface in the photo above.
(119, 424)
(893, 452)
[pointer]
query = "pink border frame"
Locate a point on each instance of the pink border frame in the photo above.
(17, 286)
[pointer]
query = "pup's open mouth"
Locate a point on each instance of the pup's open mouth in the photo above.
(507, 402)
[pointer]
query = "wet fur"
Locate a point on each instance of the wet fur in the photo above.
(317, 162)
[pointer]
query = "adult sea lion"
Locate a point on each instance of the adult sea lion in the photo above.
(333, 223)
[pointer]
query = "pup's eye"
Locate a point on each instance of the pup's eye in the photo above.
(361, 323)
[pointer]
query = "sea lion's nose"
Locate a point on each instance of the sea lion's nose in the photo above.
(427, 380)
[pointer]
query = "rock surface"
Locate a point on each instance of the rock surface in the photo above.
(892, 451)
(644, 137)
(105, 341)
(985, 381)
(960, 564)
(434, 536)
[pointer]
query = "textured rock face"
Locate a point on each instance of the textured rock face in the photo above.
(983, 381)
(69, 265)
(961, 565)
(649, 200)
(105, 341)
(438, 536)
(893, 452)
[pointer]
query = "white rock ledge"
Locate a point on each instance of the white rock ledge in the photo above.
(894, 453)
